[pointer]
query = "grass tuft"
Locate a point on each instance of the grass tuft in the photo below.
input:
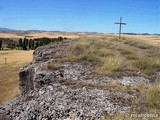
(90, 57)
(128, 54)
(110, 65)
(153, 96)
(53, 65)
(148, 65)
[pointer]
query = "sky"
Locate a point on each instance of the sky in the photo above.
(141, 16)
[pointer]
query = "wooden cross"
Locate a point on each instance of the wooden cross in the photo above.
(120, 27)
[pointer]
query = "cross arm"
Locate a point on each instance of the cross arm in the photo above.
(120, 23)
(124, 23)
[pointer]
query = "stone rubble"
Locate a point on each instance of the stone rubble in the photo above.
(61, 102)
(44, 97)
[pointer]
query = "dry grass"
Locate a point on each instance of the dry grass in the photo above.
(9, 86)
(54, 65)
(153, 96)
(110, 65)
(131, 55)
(148, 65)
(130, 116)
(98, 51)
(109, 54)
(148, 39)
(17, 35)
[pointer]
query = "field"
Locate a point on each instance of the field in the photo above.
(9, 86)
(17, 35)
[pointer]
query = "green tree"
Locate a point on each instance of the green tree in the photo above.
(0, 44)
(33, 43)
(37, 44)
(60, 38)
(24, 45)
(26, 42)
(20, 42)
(30, 43)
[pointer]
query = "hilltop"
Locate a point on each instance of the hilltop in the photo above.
(89, 77)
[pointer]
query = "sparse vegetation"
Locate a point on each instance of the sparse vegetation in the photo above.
(70, 58)
(136, 43)
(153, 97)
(110, 65)
(54, 65)
(90, 57)
(110, 55)
(144, 63)
(96, 52)
(128, 116)
(148, 65)
(128, 54)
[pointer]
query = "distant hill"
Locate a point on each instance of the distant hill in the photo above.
(7, 29)
(89, 33)
(13, 30)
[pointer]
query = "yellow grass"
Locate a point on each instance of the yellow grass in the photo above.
(9, 86)
(149, 39)
(17, 35)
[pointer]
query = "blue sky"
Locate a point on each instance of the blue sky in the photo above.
(141, 16)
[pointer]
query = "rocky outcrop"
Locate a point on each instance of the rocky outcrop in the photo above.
(66, 92)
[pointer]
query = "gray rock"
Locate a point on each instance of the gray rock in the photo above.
(45, 97)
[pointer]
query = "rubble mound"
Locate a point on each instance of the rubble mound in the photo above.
(66, 92)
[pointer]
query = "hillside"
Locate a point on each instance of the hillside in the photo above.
(89, 77)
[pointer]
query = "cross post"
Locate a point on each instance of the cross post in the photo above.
(120, 26)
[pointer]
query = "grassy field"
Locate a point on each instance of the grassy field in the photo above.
(9, 86)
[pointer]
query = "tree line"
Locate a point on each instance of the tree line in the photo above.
(31, 44)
